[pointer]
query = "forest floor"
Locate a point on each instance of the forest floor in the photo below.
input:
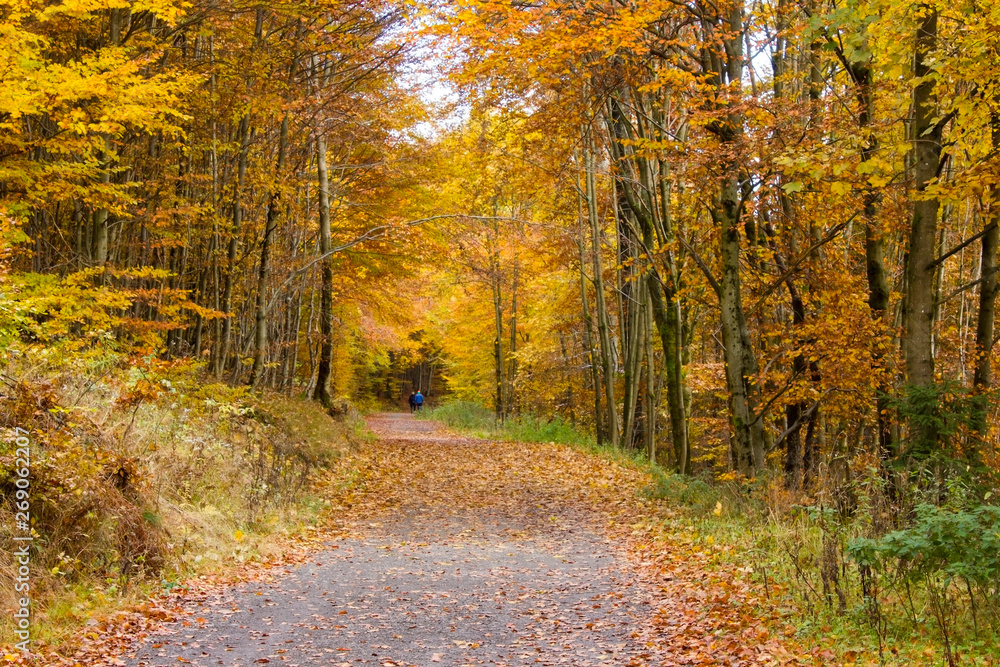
(458, 551)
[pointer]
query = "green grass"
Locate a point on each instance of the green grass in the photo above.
(478, 421)
(783, 547)
(481, 422)
(462, 415)
(758, 527)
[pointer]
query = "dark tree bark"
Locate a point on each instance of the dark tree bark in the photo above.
(324, 367)
(264, 272)
(983, 378)
(233, 246)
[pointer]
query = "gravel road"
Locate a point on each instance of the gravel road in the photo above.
(452, 557)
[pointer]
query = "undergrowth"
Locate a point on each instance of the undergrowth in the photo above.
(143, 474)
(923, 594)
(481, 422)
(844, 567)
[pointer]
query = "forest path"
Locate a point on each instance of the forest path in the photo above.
(457, 551)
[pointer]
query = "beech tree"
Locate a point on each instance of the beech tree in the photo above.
(780, 192)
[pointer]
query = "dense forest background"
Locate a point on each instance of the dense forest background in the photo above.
(754, 243)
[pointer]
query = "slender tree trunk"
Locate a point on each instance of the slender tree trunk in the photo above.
(289, 380)
(310, 387)
(99, 242)
(499, 405)
(512, 353)
(878, 302)
(666, 317)
(321, 391)
(650, 399)
(741, 364)
(726, 66)
(233, 247)
(100, 233)
(878, 281)
(200, 291)
(983, 376)
(669, 324)
(795, 412)
(216, 325)
(264, 273)
(588, 339)
(602, 309)
(82, 248)
(635, 349)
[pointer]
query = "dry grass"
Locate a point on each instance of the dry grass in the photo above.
(142, 476)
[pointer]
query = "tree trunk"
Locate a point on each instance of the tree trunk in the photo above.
(726, 66)
(499, 406)
(321, 392)
(99, 242)
(983, 376)
(741, 364)
(512, 368)
(630, 296)
(82, 247)
(602, 309)
(878, 281)
(100, 232)
(650, 399)
(667, 314)
(920, 271)
(233, 247)
(264, 273)
(633, 344)
(588, 335)
(310, 387)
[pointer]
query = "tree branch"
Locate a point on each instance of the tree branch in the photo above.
(798, 260)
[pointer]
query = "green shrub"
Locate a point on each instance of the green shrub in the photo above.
(952, 543)
(941, 417)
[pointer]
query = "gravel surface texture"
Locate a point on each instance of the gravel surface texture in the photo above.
(460, 562)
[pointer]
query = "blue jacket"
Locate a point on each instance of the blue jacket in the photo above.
(418, 399)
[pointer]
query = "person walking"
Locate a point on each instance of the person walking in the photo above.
(418, 400)
(413, 401)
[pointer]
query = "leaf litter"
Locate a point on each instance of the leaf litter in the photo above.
(458, 551)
